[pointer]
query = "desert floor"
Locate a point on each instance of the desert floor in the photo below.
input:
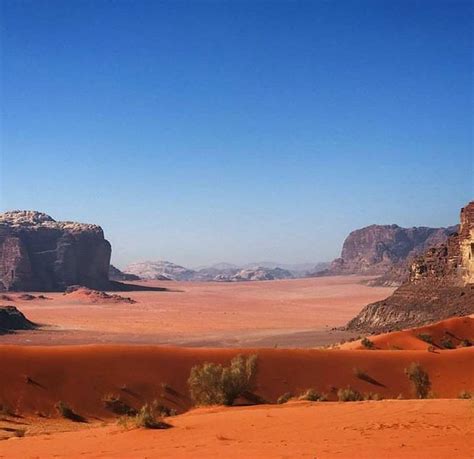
(285, 313)
(115, 355)
(416, 429)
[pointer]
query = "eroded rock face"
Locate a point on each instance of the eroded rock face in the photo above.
(38, 253)
(440, 285)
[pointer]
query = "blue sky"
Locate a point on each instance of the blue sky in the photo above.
(207, 131)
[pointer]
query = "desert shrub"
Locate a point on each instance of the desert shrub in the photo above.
(214, 384)
(284, 398)
(145, 418)
(312, 396)
(349, 395)
(447, 343)
(67, 412)
(465, 343)
(426, 337)
(419, 379)
(465, 395)
(367, 343)
(115, 404)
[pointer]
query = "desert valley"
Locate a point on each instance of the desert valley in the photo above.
(236, 229)
(347, 363)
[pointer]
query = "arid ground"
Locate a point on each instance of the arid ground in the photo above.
(115, 356)
(285, 313)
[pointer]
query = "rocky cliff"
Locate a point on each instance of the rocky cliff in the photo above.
(385, 250)
(440, 285)
(38, 253)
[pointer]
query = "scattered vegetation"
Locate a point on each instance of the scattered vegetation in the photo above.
(287, 396)
(349, 395)
(146, 418)
(214, 384)
(367, 343)
(419, 379)
(361, 374)
(313, 396)
(466, 343)
(426, 337)
(115, 404)
(447, 343)
(465, 395)
(68, 413)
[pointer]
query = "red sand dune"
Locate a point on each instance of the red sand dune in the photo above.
(408, 429)
(35, 378)
(458, 330)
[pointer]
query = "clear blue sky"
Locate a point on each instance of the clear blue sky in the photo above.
(237, 131)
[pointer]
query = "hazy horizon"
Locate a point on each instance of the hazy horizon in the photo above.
(205, 132)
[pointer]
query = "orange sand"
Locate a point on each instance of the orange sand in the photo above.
(398, 429)
(297, 312)
(34, 378)
(455, 329)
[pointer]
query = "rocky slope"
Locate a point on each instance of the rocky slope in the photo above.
(116, 275)
(38, 253)
(12, 319)
(440, 285)
(385, 250)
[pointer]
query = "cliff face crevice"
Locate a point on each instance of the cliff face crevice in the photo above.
(440, 285)
(38, 253)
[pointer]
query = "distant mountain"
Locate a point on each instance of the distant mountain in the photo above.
(160, 270)
(116, 275)
(261, 273)
(385, 250)
(222, 272)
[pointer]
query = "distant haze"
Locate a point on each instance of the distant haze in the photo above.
(205, 132)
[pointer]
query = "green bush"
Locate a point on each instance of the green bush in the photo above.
(349, 395)
(419, 379)
(426, 337)
(68, 413)
(367, 343)
(115, 404)
(284, 398)
(466, 343)
(313, 396)
(447, 343)
(214, 384)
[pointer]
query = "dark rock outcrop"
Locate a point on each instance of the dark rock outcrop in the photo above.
(440, 285)
(385, 250)
(116, 275)
(12, 319)
(38, 253)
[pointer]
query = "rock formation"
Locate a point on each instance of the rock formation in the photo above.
(38, 253)
(385, 250)
(12, 319)
(257, 274)
(116, 275)
(440, 285)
